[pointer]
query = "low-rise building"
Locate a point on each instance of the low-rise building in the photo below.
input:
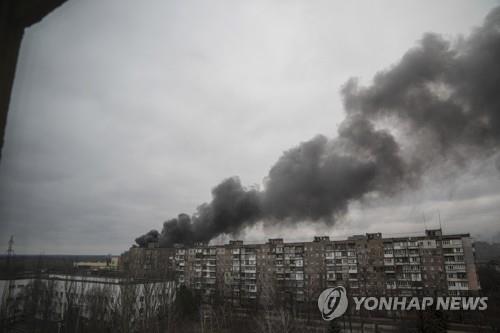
(53, 296)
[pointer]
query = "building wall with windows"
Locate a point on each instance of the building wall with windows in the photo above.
(150, 262)
(431, 264)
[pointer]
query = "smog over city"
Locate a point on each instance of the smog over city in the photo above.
(183, 122)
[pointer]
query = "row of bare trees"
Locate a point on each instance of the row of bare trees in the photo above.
(67, 305)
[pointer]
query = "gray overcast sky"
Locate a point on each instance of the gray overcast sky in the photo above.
(126, 113)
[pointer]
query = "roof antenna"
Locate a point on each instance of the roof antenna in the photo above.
(425, 222)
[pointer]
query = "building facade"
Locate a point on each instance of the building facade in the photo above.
(150, 262)
(246, 274)
(431, 264)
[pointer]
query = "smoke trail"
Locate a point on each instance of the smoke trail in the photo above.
(443, 100)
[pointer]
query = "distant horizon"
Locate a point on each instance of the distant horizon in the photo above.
(264, 240)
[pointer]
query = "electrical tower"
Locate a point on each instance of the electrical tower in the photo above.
(10, 250)
(10, 254)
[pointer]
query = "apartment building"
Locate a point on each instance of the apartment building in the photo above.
(149, 262)
(247, 274)
(225, 271)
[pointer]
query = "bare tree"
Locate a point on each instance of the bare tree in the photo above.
(275, 315)
(166, 308)
(98, 302)
(125, 312)
(10, 306)
(149, 304)
(71, 308)
(40, 305)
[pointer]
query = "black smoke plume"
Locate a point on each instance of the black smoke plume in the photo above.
(442, 101)
(150, 237)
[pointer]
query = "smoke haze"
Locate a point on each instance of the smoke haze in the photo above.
(442, 100)
(446, 100)
(124, 115)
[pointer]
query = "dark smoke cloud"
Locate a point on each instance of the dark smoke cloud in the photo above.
(232, 208)
(151, 236)
(177, 230)
(314, 181)
(444, 101)
(448, 97)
